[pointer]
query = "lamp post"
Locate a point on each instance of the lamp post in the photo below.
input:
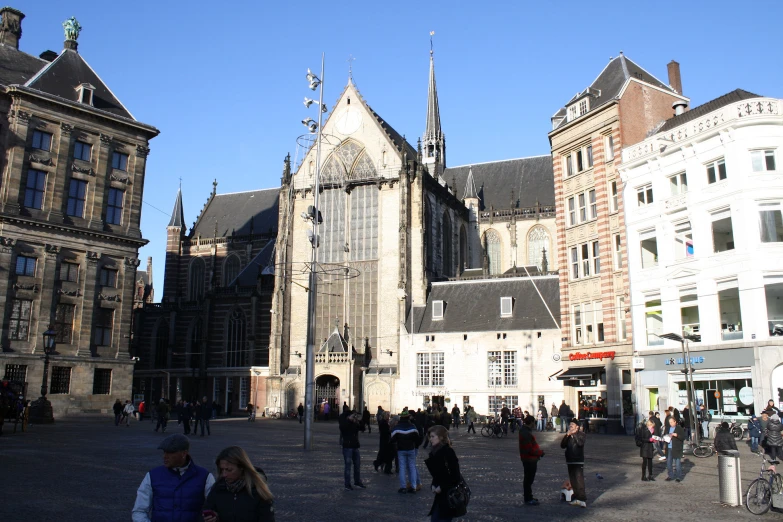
(314, 216)
(41, 410)
(688, 371)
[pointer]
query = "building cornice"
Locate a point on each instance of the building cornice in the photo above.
(138, 243)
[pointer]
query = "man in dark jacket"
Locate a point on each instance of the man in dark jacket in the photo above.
(754, 431)
(349, 423)
(455, 413)
(407, 438)
(163, 415)
(563, 414)
(505, 413)
(177, 489)
(676, 438)
(574, 445)
(117, 408)
(529, 453)
(300, 412)
(205, 413)
(724, 440)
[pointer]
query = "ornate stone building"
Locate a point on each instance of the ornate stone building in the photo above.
(73, 167)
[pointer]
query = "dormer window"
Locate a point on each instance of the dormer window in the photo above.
(506, 306)
(437, 310)
(84, 93)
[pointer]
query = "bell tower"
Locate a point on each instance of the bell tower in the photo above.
(433, 141)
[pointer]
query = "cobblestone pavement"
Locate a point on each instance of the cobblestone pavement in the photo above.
(88, 470)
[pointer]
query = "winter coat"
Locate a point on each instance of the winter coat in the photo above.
(163, 410)
(239, 506)
(575, 447)
(406, 436)
(205, 411)
(563, 411)
(472, 415)
(349, 431)
(554, 412)
(529, 450)
(117, 408)
(724, 440)
(677, 441)
(645, 442)
(443, 465)
(773, 434)
(754, 428)
(128, 409)
(658, 425)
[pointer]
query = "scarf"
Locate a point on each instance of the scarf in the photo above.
(235, 487)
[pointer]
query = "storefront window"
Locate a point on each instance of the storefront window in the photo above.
(730, 397)
(592, 405)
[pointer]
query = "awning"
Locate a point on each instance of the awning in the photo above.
(553, 377)
(584, 372)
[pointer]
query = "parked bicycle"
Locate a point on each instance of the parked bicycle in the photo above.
(493, 428)
(737, 430)
(704, 449)
(758, 498)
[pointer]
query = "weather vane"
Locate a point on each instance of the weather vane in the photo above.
(432, 33)
(350, 66)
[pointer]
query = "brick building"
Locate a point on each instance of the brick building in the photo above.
(74, 161)
(617, 110)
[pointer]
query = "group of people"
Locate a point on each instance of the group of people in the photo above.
(181, 490)
(190, 414)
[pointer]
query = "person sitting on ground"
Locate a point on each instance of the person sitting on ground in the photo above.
(241, 494)
(724, 440)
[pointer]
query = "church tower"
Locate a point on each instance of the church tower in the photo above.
(175, 232)
(433, 141)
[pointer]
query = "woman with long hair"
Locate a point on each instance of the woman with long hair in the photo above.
(241, 493)
(443, 465)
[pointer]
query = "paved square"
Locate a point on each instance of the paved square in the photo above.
(88, 470)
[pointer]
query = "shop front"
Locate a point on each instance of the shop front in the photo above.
(722, 381)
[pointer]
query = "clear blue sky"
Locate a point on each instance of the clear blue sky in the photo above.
(224, 81)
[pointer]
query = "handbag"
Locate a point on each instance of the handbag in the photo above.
(459, 495)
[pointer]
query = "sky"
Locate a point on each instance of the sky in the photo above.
(224, 81)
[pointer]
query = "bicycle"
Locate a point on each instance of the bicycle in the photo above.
(704, 449)
(758, 498)
(736, 430)
(493, 428)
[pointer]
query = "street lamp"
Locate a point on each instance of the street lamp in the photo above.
(315, 83)
(41, 410)
(688, 371)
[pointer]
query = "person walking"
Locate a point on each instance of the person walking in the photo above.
(674, 438)
(241, 494)
(645, 439)
(774, 438)
(562, 412)
(443, 466)
(754, 431)
(117, 408)
(455, 413)
(349, 434)
(704, 418)
(142, 409)
(128, 412)
(471, 416)
(184, 417)
(366, 420)
(175, 491)
(383, 460)
(205, 413)
(554, 414)
(300, 412)
(530, 453)
(406, 437)
(544, 416)
(378, 415)
(163, 415)
(574, 445)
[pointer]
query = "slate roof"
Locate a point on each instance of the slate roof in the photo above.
(474, 306)
(249, 275)
(233, 213)
(432, 129)
(611, 80)
(17, 67)
(734, 96)
(334, 344)
(531, 179)
(69, 70)
(178, 214)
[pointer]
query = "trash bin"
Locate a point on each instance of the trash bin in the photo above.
(729, 481)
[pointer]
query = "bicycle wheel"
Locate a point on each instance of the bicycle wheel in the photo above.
(500, 433)
(736, 431)
(758, 497)
(703, 451)
(777, 483)
(486, 431)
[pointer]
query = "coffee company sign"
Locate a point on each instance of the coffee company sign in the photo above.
(579, 356)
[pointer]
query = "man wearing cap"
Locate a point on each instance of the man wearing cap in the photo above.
(175, 491)
(407, 438)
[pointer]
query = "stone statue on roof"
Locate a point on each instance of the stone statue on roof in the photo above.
(72, 29)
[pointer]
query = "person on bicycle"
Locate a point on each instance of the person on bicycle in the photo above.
(505, 413)
(724, 440)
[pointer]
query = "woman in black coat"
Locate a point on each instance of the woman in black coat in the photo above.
(646, 443)
(443, 465)
(384, 458)
(241, 493)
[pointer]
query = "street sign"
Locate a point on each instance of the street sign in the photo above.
(717, 395)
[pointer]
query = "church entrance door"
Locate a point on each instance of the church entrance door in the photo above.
(327, 388)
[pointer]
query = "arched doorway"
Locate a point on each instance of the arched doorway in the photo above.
(290, 398)
(327, 389)
(378, 394)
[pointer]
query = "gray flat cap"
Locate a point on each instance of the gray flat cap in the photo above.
(175, 443)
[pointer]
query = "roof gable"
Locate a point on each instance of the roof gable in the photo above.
(706, 108)
(69, 70)
(239, 213)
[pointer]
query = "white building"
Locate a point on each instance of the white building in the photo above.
(484, 342)
(705, 254)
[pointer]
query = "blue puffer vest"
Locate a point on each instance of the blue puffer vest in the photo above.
(178, 498)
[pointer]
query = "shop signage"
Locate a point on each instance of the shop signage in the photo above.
(431, 393)
(680, 360)
(579, 356)
(746, 395)
(638, 363)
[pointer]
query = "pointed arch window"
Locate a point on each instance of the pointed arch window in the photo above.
(236, 349)
(349, 161)
(537, 241)
(446, 239)
(162, 345)
(196, 279)
(492, 245)
(230, 269)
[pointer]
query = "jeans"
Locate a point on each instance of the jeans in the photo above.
(530, 467)
(205, 422)
(455, 420)
(470, 427)
(416, 467)
(300, 418)
(351, 455)
(540, 424)
(408, 474)
(117, 418)
(563, 422)
(673, 466)
(436, 516)
(754, 444)
(705, 429)
(162, 420)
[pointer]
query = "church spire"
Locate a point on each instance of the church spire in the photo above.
(178, 214)
(433, 140)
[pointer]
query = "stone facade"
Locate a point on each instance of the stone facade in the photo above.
(73, 176)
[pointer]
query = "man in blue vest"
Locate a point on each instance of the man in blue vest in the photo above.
(176, 490)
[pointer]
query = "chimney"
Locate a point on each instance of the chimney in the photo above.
(675, 80)
(49, 56)
(680, 106)
(11, 27)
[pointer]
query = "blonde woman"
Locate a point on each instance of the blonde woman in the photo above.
(443, 465)
(241, 493)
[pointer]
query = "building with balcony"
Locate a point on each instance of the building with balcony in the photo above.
(703, 201)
